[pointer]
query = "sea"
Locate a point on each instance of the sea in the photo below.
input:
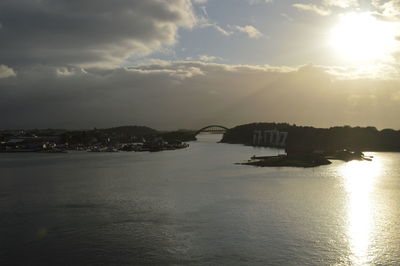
(195, 206)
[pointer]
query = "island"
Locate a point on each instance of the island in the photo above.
(305, 160)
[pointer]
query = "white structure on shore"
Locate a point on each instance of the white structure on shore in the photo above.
(274, 138)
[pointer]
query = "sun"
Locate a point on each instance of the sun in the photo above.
(361, 38)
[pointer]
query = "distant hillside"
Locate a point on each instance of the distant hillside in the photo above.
(120, 134)
(334, 138)
(130, 130)
(125, 134)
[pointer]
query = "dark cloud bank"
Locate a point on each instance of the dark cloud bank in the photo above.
(87, 31)
(57, 69)
(191, 94)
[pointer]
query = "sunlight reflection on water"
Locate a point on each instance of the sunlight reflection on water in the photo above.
(359, 179)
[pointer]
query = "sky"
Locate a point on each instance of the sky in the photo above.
(172, 64)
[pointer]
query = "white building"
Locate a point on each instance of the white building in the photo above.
(274, 138)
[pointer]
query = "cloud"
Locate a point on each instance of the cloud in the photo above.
(341, 3)
(169, 95)
(287, 17)
(204, 22)
(253, 2)
(325, 7)
(6, 72)
(390, 8)
(219, 29)
(88, 32)
(316, 9)
(387, 10)
(209, 58)
(251, 31)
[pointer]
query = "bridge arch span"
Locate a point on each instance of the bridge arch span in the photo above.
(212, 128)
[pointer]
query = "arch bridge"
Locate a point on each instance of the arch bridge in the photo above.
(212, 129)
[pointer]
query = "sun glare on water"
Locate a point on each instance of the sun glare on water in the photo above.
(362, 38)
(360, 179)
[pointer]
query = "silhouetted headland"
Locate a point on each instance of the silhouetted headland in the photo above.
(327, 139)
(308, 146)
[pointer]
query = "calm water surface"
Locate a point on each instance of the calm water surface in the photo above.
(195, 207)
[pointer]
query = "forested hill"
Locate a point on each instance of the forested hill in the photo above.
(334, 138)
